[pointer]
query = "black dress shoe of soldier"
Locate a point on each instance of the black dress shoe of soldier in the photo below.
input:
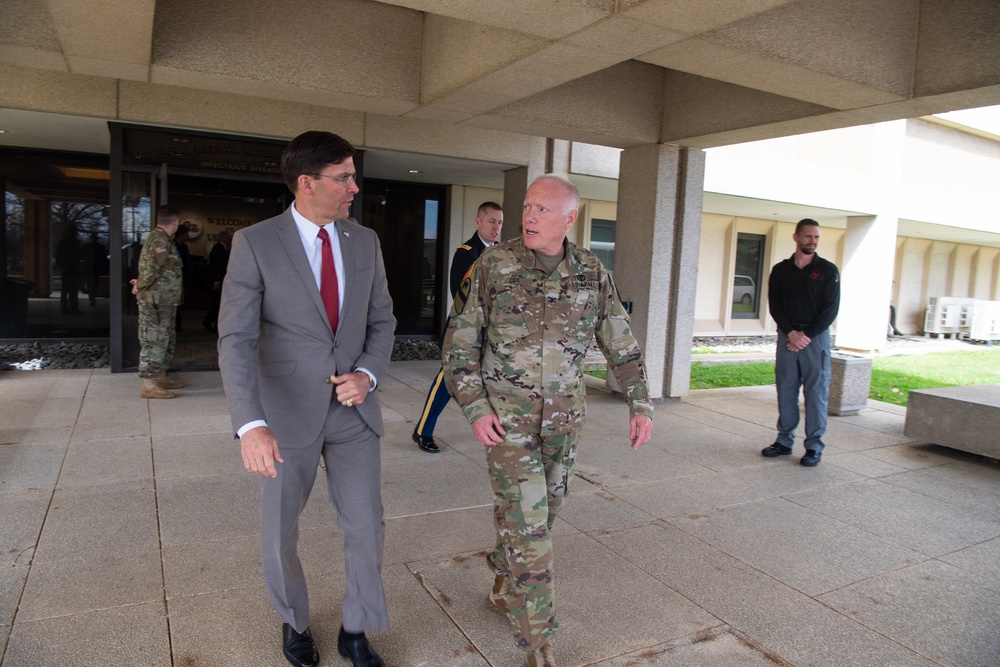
(776, 450)
(357, 649)
(811, 458)
(426, 443)
(300, 649)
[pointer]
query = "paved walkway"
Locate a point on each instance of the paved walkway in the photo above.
(128, 536)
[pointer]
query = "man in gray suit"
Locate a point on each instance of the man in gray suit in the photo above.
(305, 332)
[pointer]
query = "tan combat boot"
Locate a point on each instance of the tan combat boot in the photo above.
(542, 657)
(152, 390)
(167, 383)
(500, 586)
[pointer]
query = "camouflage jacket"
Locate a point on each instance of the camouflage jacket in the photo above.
(518, 346)
(160, 280)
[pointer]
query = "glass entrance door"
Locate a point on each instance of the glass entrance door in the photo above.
(135, 213)
(207, 206)
(407, 217)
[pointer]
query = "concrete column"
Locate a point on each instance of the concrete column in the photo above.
(657, 235)
(515, 186)
(557, 156)
(866, 282)
(870, 249)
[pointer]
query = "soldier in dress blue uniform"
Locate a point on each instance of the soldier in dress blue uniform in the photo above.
(489, 222)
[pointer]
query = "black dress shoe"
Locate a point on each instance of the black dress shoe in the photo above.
(357, 650)
(776, 450)
(300, 649)
(426, 443)
(811, 458)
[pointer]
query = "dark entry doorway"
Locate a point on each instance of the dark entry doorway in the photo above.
(216, 182)
(408, 218)
(209, 206)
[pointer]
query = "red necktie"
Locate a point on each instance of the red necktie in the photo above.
(328, 281)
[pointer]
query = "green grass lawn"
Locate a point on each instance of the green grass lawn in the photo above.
(892, 377)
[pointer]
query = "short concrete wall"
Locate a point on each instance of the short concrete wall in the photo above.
(964, 418)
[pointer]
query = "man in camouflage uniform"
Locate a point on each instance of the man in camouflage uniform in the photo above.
(514, 361)
(158, 290)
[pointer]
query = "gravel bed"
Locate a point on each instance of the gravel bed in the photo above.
(60, 355)
(41, 356)
(411, 349)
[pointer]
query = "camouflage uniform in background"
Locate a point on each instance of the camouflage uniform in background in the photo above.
(517, 350)
(160, 291)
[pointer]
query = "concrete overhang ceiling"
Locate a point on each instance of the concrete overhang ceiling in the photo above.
(610, 72)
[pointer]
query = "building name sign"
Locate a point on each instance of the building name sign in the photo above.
(179, 150)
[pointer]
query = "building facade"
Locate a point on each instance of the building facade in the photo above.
(460, 99)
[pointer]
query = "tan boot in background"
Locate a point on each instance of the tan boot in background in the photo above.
(543, 657)
(167, 383)
(500, 586)
(152, 390)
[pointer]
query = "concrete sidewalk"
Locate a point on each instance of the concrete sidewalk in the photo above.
(128, 536)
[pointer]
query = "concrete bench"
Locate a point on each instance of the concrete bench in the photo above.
(965, 418)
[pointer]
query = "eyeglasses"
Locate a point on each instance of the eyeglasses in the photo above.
(343, 180)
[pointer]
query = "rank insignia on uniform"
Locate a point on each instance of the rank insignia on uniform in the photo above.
(464, 247)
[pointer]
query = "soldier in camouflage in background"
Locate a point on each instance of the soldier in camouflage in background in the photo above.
(159, 291)
(513, 359)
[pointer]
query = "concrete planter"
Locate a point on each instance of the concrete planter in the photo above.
(850, 380)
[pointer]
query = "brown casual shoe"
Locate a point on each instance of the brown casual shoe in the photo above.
(167, 383)
(500, 586)
(152, 390)
(542, 657)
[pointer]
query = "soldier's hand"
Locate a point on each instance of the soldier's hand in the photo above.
(488, 430)
(640, 429)
(260, 451)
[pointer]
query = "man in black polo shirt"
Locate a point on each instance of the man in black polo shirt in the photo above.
(804, 297)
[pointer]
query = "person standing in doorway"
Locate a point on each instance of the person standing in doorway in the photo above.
(305, 332)
(489, 222)
(218, 264)
(159, 290)
(804, 298)
(513, 359)
(69, 256)
(95, 265)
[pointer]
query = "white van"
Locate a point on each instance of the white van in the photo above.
(744, 291)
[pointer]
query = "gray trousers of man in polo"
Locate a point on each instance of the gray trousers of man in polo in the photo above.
(809, 369)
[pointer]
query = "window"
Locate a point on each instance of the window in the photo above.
(54, 235)
(602, 241)
(747, 281)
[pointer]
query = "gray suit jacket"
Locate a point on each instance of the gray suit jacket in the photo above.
(276, 347)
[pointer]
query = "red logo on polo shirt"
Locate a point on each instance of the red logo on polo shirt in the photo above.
(814, 275)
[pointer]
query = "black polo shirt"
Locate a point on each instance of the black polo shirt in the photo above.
(806, 299)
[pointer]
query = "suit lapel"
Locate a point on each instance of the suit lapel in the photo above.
(350, 257)
(288, 232)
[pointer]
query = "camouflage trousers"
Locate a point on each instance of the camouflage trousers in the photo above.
(157, 338)
(530, 475)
